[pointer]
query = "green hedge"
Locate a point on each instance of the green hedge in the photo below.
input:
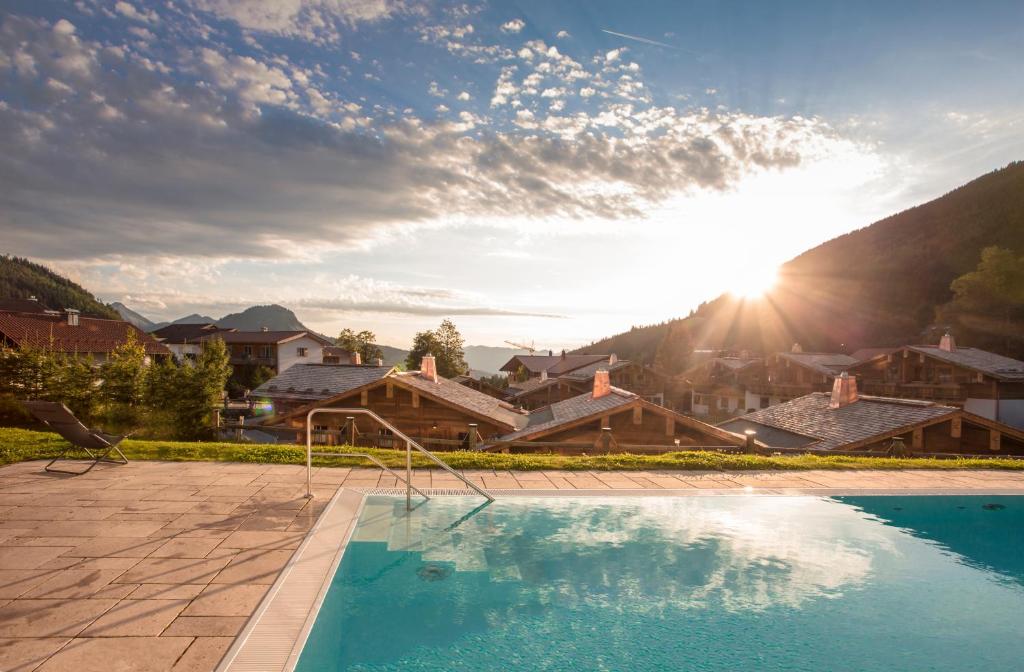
(20, 444)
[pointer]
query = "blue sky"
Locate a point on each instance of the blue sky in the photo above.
(548, 171)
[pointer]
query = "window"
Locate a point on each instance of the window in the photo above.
(301, 352)
(265, 352)
(247, 350)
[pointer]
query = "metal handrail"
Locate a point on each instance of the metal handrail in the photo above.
(409, 444)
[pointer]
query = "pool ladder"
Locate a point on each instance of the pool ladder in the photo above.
(409, 445)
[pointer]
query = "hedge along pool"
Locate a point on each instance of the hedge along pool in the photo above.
(670, 583)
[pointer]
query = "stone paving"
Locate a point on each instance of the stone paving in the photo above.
(158, 565)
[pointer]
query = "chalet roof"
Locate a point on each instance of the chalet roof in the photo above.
(585, 373)
(337, 351)
(186, 333)
(553, 364)
(263, 337)
(460, 395)
(570, 410)
(310, 382)
(91, 335)
(989, 363)
(529, 385)
(825, 363)
(834, 428)
(22, 306)
(864, 354)
(735, 363)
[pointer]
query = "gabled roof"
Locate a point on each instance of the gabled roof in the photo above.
(466, 397)
(585, 373)
(263, 337)
(571, 410)
(584, 407)
(186, 333)
(835, 428)
(23, 306)
(309, 382)
(91, 335)
(865, 354)
(444, 391)
(529, 385)
(989, 363)
(825, 363)
(553, 364)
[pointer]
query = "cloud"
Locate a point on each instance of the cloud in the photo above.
(513, 26)
(562, 34)
(316, 20)
(222, 155)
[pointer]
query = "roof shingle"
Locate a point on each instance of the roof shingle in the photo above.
(309, 382)
(833, 428)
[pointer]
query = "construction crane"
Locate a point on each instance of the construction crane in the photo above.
(522, 346)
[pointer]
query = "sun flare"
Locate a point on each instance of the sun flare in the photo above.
(752, 282)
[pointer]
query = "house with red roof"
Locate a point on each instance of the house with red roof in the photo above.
(69, 332)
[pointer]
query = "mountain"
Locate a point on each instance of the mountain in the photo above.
(877, 286)
(254, 318)
(21, 279)
(194, 318)
(489, 359)
(129, 315)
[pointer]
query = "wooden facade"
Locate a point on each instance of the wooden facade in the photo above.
(641, 380)
(636, 426)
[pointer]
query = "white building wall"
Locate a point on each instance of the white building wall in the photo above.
(288, 353)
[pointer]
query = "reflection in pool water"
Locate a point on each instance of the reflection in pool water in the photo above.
(695, 583)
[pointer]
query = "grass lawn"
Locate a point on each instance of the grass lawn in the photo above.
(17, 445)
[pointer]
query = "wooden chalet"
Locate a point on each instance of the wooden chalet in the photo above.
(845, 420)
(983, 383)
(524, 367)
(717, 387)
(610, 419)
(438, 412)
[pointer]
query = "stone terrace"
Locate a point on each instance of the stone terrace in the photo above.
(158, 565)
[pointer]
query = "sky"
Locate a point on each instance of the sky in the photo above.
(548, 172)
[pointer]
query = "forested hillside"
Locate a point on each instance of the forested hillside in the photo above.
(877, 286)
(21, 279)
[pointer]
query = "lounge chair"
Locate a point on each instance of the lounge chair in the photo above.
(95, 443)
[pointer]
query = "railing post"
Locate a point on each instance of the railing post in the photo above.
(408, 476)
(309, 455)
(351, 423)
(472, 435)
(750, 447)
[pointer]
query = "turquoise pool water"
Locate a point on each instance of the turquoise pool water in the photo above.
(685, 583)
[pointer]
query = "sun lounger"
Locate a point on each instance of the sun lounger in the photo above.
(96, 444)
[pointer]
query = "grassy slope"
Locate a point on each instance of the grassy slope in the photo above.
(21, 278)
(19, 444)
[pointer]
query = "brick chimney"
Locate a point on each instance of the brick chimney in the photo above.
(602, 384)
(947, 343)
(543, 375)
(72, 317)
(428, 368)
(355, 358)
(797, 348)
(379, 361)
(613, 359)
(844, 390)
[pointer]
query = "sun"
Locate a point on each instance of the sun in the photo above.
(751, 282)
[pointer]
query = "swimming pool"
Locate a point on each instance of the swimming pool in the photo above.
(663, 583)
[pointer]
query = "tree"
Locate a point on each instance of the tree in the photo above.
(423, 343)
(451, 357)
(202, 391)
(124, 376)
(445, 344)
(673, 353)
(988, 303)
(363, 342)
(247, 377)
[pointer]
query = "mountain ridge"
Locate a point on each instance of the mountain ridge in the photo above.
(879, 285)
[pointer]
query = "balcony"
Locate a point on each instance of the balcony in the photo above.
(949, 392)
